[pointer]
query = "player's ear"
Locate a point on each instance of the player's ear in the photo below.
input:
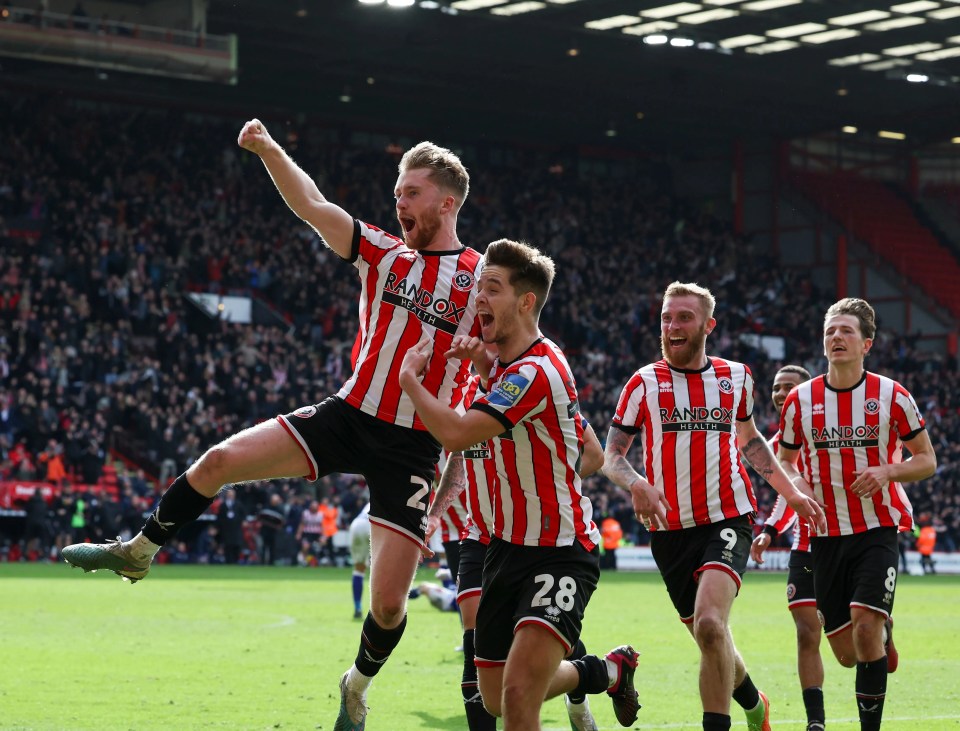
(711, 324)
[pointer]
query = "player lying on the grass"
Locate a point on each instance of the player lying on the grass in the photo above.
(542, 562)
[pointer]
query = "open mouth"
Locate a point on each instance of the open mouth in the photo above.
(407, 223)
(677, 342)
(486, 319)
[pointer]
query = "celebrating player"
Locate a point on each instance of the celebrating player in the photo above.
(801, 599)
(542, 562)
(692, 413)
(421, 285)
(850, 426)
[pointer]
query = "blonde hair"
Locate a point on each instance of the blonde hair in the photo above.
(682, 289)
(860, 309)
(445, 168)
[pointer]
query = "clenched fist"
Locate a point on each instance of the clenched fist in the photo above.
(254, 137)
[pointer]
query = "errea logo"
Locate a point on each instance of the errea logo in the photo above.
(818, 409)
(666, 387)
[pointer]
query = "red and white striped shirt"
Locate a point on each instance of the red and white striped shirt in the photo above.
(530, 471)
(840, 433)
(405, 293)
(686, 420)
(782, 517)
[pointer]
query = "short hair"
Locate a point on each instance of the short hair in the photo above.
(530, 269)
(445, 168)
(797, 371)
(682, 289)
(860, 309)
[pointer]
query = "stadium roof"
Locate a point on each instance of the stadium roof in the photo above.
(595, 71)
(783, 68)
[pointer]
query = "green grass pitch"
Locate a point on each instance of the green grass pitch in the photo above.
(262, 648)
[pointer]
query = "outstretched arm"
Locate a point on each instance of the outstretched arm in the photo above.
(649, 504)
(299, 191)
(781, 475)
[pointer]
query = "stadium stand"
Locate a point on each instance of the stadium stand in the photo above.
(108, 215)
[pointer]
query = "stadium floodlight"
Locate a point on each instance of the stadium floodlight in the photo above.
(945, 14)
(827, 36)
(668, 11)
(790, 31)
(918, 78)
(911, 49)
(372, 2)
(681, 42)
(517, 8)
(476, 4)
(740, 41)
(866, 16)
(646, 29)
(429, 4)
(904, 21)
(955, 140)
(915, 7)
(614, 21)
(708, 16)
(888, 135)
(657, 39)
(775, 47)
(400, 3)
(849, 129)
(853, 60)
(761, 5)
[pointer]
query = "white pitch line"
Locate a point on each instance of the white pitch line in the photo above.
(285, 621)
(799, 722)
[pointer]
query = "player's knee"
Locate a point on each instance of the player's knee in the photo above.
(515, 696)
(710, 632)
(808, 636)
(212, 467)
(388, 614)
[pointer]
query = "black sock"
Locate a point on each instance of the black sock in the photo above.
(376, 644)
(871, 691)
(746, 694)
(813, 702)
(477, 717)
(179, 505)
(578, 651)
(715, 722)
(593, 676)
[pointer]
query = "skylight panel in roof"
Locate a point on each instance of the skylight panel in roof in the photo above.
(614, 21)
(668, 11)
(518, 8)
(912, 49)
(915, 7)
(708, 16)
(775, 47)
(741, 41)
(856, 58)
(866, 16)
(759, 5)
(904, 21)
(790, 31)
(828, 36)
(657, 26)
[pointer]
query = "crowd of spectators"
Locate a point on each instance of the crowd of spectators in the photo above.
(109, 215)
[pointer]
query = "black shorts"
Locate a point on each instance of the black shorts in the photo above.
(470, 576)
(451, 549)
(858, 570)
(800, 591)
(398, 463)
(545, 586)
(682, 555)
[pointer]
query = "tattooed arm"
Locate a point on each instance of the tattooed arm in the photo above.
(648, 504)
(452, 483)
(779, 475)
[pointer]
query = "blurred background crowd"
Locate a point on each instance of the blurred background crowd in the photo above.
(112, 382)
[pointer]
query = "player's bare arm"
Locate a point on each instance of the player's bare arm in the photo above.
(649, 504)
(921, 465)
(453, 431)
(759, 545)
(592, 459)
(758, 453)
(474, 350)
(298, 190)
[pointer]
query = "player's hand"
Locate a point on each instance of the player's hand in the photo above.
(649, 504)
(433, 523)
(414, 364)
(759, 545)
(810, 510)
(869, 481)
(254, 137)
(466, 347)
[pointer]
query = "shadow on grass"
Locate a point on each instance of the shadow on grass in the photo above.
(448, 723)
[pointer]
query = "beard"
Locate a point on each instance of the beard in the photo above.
(423, 234)
(683, 357)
